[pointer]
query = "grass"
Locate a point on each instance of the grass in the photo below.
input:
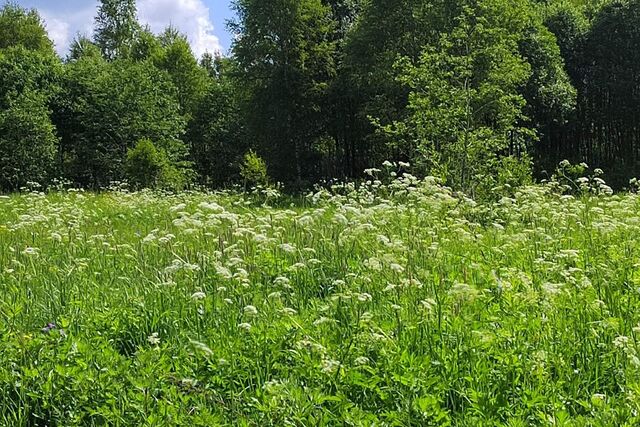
(388, 304)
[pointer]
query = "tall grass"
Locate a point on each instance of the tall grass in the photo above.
(395, 303)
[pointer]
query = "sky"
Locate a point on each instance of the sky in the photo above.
(203, 21)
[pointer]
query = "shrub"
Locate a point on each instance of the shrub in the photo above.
(254, 170)
(145, 164)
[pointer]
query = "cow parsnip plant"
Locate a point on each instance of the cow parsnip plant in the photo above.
(396, 302)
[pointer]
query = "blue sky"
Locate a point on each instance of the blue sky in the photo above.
(202, 20)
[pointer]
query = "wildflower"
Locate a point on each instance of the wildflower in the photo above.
(322, 320)
(330, 366)
(396, 267)
(287, 247)
(250, 310)
(366, 317)
(203, 348)
(223, 272)
(289, 311)
(198, 296)
(274, 295)
(364, 297)
(621, 341)
(389, 287)
(245, 326)
(552, 288)
(463, 291)
(371, 171)
(228, 300)
(31, 251)
(340, 219)
(178, 208)
(428, 304)
(281, 281)
(361, 361)
(154, 339)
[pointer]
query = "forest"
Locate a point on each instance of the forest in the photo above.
(482, 94)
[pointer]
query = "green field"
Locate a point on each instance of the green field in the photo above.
(391, 304)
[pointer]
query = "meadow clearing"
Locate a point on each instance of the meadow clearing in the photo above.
(395, 303)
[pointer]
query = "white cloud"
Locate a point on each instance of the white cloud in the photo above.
(63, 26)
(189, 16)
(58, 31)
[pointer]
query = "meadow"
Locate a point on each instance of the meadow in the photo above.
(395, 302)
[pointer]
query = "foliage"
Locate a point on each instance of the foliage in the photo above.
(106, 108)
(284, 78)
(380, 304)
(83, 47)
(324, 89)
(216, 135)
(21, 27)
(116, 27)
(253, 171)
(28, 140)
(465, 106)
(144, 164)
(176, 57)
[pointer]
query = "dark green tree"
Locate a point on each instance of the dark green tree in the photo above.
(216, 132)
(29, 72)
(107, 107)
(285, 62)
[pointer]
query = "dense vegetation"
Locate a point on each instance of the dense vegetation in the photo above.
(411, 274)
(480, 93)
(397, 302)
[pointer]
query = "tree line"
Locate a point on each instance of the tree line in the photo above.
(479, 93)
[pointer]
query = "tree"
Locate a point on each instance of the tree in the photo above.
(367, 86)
(285, 62)
(105, 108)
(21, 27)
(146, 46)
(598, 41)
(464, 103)
(216, 135)
(82, 47)
(116, 27)
(144, 164)
(29, 71)
(27, 142)
(177, 59)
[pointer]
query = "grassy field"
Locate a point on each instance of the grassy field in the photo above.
(391, 304)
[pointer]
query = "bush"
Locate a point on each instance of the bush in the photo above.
(27, 142)
(254, 170)
(145, 164)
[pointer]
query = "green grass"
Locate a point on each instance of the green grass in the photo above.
(397, 304)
